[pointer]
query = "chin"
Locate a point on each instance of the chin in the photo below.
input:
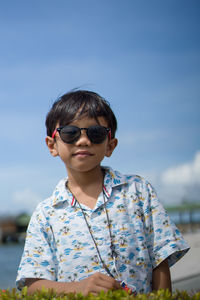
(87, 168)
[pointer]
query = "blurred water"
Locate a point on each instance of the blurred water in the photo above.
(10, 256)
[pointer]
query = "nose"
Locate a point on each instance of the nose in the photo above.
(83, 139)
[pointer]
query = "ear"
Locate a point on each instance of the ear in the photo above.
(112, 144)
(51, 144)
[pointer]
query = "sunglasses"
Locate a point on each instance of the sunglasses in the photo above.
(70, 134)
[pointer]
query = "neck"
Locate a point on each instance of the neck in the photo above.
(86, 187)
(84, 179)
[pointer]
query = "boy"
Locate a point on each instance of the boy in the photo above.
(100, 229)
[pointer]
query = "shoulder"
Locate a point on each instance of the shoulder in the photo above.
(137, 182)
(47, 205)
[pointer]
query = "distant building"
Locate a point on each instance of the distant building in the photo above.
(13, 229)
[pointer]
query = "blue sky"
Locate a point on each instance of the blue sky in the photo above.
(142, 56)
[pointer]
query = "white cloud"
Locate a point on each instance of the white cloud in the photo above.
(26, 197)
(181, 182)
(185, 174)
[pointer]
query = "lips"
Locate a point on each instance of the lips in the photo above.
(82, 153)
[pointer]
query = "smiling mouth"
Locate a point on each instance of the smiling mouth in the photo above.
(83, 154)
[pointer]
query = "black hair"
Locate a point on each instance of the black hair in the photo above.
(81, 102)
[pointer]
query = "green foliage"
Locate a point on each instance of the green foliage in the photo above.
(184, 207)
(111, 295)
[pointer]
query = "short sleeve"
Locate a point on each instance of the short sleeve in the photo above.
(38, 259)
(164, 240)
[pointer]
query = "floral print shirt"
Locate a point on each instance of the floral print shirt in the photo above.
(59, 246)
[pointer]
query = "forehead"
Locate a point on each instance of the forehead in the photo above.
(85, 121)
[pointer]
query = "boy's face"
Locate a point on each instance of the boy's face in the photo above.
(82, 155)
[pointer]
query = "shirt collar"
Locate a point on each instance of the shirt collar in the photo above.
(111, 179)
(61, 193)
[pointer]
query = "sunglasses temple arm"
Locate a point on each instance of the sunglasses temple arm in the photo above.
(54, 133)
(109, 134)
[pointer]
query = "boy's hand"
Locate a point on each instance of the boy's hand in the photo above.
(96, 283)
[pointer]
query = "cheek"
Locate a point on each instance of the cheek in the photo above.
(63, 150)
(106, 151)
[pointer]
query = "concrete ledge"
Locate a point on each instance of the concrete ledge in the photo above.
(189, 265)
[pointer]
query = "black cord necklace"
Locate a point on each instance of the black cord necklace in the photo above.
(112, 246)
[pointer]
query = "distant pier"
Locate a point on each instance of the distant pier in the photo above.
(186, 216)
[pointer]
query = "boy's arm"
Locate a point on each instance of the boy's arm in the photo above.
(161, 278)
(93, 284)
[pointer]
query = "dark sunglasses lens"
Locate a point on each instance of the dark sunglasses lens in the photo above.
(97, 134)
(70, 134)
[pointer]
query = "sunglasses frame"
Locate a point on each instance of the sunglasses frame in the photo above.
(108, 130)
